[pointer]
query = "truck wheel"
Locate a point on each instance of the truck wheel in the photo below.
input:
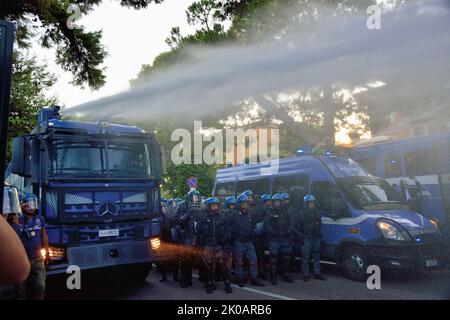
(354, 263)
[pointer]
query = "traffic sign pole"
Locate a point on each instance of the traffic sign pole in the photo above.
(6, 51)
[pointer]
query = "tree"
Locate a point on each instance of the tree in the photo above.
(77, 50)
(30, 81)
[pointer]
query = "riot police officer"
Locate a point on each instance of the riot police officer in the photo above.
(31, 229)
(242, 230)
(228, 212)
(310, 225)
(163, 266)
(279, 228)
(260, 241)
(212, 235)
(187, 217)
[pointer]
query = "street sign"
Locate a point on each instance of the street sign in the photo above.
(192, 182)
(6, 48)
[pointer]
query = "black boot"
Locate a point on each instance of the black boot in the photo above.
(287, 278)
(163, 277)
(257, 283)
(262, 275)
(273, 274)
(273, 279)
(241, 282)
(185, 284)
(320, 277)
(228, 288)
(209, 287)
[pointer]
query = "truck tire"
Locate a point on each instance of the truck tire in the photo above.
(354, 263)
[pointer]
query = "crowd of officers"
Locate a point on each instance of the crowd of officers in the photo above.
(234, 238)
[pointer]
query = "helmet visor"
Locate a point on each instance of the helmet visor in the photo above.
(244, 205)
(31, 203)
(276, 203)
(214, 207)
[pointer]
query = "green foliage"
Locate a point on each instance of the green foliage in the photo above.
(175, 183)
(30, 81)
(77, 50)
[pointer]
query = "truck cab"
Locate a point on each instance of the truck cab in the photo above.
(99, 190)
(363, 221)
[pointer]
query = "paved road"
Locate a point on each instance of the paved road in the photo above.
(434, 285)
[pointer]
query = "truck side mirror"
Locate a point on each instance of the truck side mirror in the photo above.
(20, 156)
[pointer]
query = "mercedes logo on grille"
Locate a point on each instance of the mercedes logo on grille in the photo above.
(108, 208)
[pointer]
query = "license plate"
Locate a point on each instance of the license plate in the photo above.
(431, 263)
(108, 233)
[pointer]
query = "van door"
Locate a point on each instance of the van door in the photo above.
(329, 199)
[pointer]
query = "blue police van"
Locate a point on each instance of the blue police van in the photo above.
(421, 164)
(369, 226)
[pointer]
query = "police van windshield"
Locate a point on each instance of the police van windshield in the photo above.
(343, 167)
(99, 158)
(371, 193)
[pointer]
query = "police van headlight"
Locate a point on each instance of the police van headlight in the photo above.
(390, 231)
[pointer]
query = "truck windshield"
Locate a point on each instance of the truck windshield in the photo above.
(99, 158)
(371, 193)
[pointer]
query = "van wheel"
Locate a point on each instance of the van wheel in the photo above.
(354, 263)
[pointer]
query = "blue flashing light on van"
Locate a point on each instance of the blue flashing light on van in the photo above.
(370, 224)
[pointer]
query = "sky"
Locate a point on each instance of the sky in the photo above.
(131, 37)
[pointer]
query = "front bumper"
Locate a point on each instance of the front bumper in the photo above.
(104, 255)
(427, 256)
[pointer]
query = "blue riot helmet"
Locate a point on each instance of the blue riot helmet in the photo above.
(250, 195)
(309, 201)
(266, 199)
(193, 197)
(230, 202)
(276, 200)
(242, 203)
(29, 202)
(212, 205)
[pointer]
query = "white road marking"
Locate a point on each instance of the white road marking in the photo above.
(269, 294)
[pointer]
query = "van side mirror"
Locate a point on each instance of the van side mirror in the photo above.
(20, 156)
(339, 208)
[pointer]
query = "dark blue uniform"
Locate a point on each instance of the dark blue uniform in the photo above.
(280, 229)
(260, 241)
(212, 234)
(243, 232)
(186, 217)
(30, 232)
(310, 224)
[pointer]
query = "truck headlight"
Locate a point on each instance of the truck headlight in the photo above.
(155, 244)
(57, 253)
(390, 231)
